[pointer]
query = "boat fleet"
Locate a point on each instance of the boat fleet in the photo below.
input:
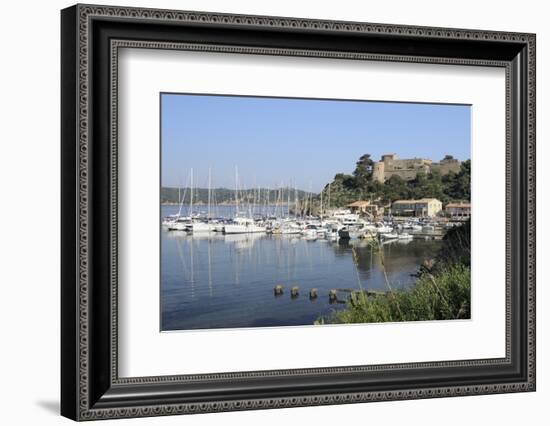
(335, 224)
(340, 224)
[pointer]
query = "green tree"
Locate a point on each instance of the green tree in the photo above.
(363, 171)
(460, 188)
(396, 188)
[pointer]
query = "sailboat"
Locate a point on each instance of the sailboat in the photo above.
(167, 220)
(199, 225)
(177, 222)
(242, 224)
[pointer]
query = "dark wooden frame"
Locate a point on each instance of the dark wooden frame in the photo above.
(90, 386)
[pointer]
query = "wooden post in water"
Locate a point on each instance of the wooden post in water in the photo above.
(312, 294)
(332, 296)
(294, 292)
(278, 290)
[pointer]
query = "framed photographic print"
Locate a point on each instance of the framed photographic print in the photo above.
(263, 212)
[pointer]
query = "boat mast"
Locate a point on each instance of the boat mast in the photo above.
(259, 207)
(280, 200)
(306, 199)
(288, 201)
(310, 196)
(249, 204)
(321, 208)
(328, 196)
(295, 201)
(180, 200)
(236, 192)
(209, 189)
(191, 203)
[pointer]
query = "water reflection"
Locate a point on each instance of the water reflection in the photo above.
(213, 280)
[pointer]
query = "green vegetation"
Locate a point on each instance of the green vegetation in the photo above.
(442, 297)
(442, 290)
(347, 188)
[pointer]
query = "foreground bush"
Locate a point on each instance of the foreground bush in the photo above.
(443, 296)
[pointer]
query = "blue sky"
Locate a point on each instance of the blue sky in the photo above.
(298, 142)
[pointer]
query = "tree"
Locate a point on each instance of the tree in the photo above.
(448, 157)
(396, 188)
(349, 182)
(460, 188)
(363, 171)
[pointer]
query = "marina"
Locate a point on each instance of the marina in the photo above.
(261, 226)
(213, 279)
(300, 216)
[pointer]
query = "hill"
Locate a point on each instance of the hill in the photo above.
(227, 196)
(360, 185)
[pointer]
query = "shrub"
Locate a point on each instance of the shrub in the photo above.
(435, 297)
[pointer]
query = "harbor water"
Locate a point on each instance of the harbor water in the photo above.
(213, 280)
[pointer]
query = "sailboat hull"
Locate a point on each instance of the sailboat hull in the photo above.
(243, 229)
(202, 227)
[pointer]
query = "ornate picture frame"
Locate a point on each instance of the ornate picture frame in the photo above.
(91, 37)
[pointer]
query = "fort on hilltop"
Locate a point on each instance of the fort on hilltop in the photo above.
(407, 169)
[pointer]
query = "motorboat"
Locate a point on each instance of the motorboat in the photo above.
(180, 224)
(349, 233)
(167, 220)
(243, 225)
(310, 232)
(198, 226)
(384, 229)
(346, 217)
(288, 228)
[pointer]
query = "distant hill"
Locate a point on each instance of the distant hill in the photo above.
(170, 195)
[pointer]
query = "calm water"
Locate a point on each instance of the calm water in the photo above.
(227, 281)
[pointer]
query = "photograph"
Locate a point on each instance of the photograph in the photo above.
(312, 212)
(263, 209)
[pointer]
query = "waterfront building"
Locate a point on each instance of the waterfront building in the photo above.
(407, 169)
(460, 210)
(366, 208)
(425, 207)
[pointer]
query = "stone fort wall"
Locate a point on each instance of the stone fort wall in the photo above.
(407, 169)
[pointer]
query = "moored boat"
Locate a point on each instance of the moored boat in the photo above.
(180, 224)
(349, 233)
(243, 225)
(198, 226)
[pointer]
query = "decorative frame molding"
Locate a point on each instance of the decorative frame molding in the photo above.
(91, 37)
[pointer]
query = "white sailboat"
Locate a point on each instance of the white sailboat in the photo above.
(177, 222)
(180, 224)
(242, 225)
(199, 225)
(289, 228)
(171, 219)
